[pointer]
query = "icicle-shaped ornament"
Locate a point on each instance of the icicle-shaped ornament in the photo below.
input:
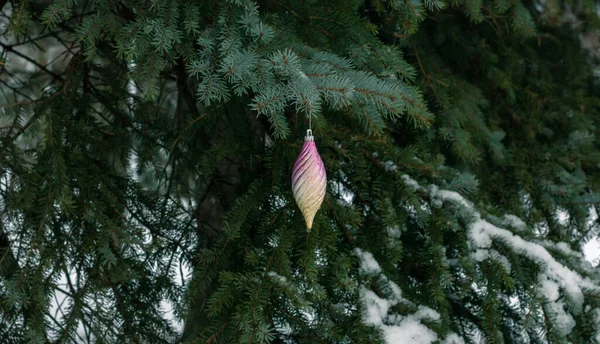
(309, 180)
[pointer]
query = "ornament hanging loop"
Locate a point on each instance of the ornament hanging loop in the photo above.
(309, 136)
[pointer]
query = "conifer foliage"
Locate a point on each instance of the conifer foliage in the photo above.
(146, 152)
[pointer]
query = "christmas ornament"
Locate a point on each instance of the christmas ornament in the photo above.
(309, 180)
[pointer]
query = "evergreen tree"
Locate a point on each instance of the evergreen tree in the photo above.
(147, 147)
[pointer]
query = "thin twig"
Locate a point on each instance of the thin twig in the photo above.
(34, 62)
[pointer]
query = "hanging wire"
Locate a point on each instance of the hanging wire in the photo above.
(309, 134)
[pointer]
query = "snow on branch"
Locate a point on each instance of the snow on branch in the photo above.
(554, 275)
(396, 328)
(481, 233)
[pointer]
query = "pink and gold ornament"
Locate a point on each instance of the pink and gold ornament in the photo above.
(309, 180)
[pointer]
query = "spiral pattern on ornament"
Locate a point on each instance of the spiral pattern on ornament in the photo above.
(309, 181)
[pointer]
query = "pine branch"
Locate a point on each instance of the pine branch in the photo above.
(8, 262)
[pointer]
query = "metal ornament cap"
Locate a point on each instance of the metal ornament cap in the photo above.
(309, 180)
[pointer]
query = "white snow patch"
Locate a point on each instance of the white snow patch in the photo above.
(563, 247)
(396, 290)
(377, 308)
(425, 312)
(395, 328)
(563, 320)
(276, 276)
(394, 232)
(449, 195)
(368, 264)
(390, 166)
(481, 255)
(453, 338)
(408, 331)
(410, 182)
(513, 221)
(480, 233)
(548, 289)
(504, 261)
